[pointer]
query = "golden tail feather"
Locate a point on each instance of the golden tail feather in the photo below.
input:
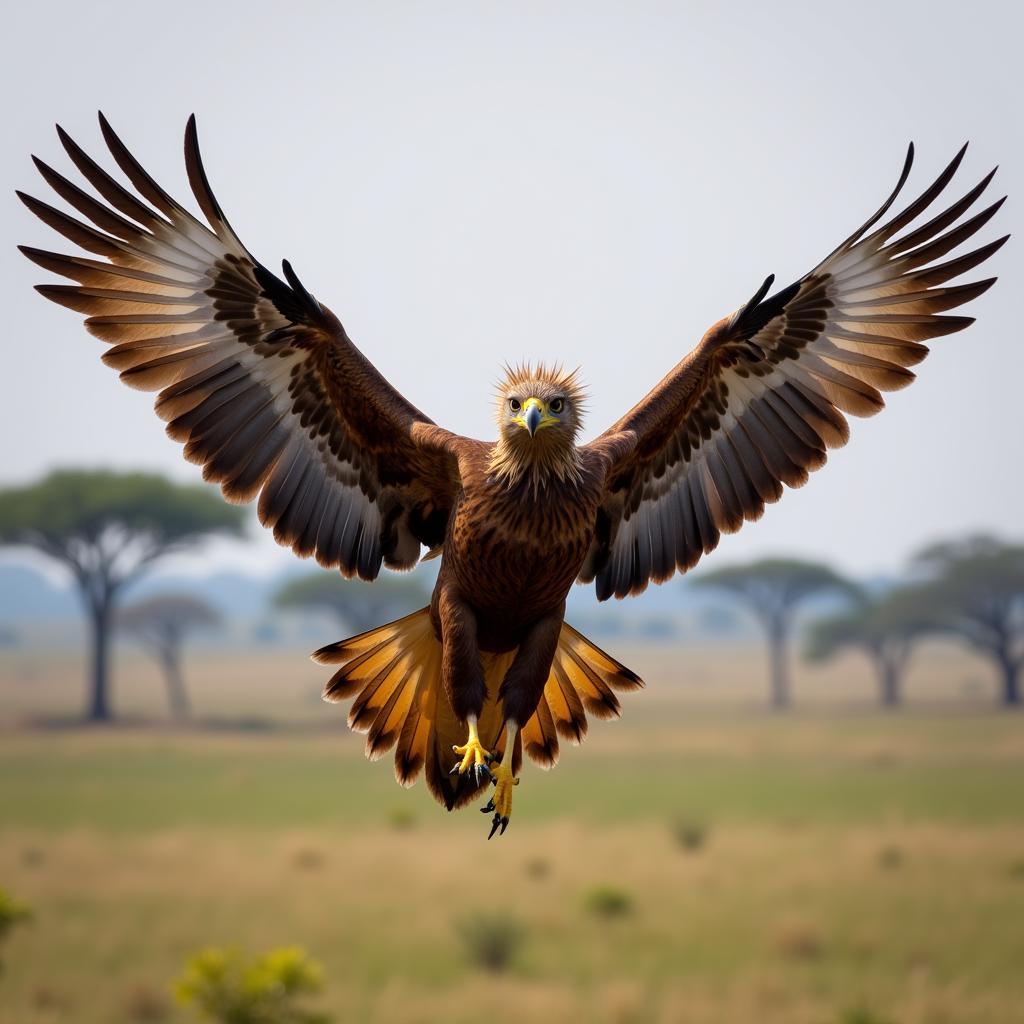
(394, 674)
(582, 679)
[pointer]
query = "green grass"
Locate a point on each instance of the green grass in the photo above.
(808, 769)
(853, 861)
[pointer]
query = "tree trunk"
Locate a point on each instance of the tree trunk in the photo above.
(177, 695)
(779, 667)
(99, 623)
(889, 684)
(1009, 670)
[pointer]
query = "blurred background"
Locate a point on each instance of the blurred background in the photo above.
(812, 815)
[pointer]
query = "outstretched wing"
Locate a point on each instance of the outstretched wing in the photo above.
(762, 398)
(256, 378)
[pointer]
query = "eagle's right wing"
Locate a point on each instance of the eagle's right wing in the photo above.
(256, 378)
(757, 404)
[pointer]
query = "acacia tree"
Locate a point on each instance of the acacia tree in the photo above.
(773, 589)
(108, 528)
(162, 624)
(975, 591)
(356, 604)
(886, 628)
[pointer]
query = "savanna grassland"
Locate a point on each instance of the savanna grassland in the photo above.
(700, 861)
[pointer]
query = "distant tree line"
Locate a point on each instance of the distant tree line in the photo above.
(773, 590)
(161, 625)
(107, 529)
(971, 590)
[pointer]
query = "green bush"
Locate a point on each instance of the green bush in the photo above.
(537, 868)
(862, 1015)
(690, 835)
(890, 857)
(1016, 869)
(12, 913)
(607, 901)
(308, 858)
(227, 987)
(402, 819)
(491, 939)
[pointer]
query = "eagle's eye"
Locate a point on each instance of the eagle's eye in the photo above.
(557, 405)
(514, 404)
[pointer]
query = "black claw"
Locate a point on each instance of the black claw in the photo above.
(504, 825)
(488, 807)
(494, 825)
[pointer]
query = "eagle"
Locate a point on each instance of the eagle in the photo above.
(266, 391)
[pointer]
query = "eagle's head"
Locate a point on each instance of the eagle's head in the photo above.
(539, 413)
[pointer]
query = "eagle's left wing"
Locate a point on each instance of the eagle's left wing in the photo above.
(257, 378)
(760, 400)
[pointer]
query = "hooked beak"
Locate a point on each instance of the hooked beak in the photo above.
(534, 414)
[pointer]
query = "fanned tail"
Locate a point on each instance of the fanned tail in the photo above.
(583, 678)
(394, 674)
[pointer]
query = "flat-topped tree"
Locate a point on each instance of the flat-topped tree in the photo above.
(161, 625)
(108, 528)
(885, 627)
(976, 592)
(773, 589)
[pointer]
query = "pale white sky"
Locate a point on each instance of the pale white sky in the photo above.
(474, 186)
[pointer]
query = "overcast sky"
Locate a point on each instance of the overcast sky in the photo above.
(467, 188)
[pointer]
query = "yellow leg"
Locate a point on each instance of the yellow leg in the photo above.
(474, 756)
(501, 800)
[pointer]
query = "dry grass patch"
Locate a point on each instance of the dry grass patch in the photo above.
(799, 940)
(715, 931)
(146, 1003)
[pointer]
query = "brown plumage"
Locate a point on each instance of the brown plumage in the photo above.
(268, 394)
(761, 399)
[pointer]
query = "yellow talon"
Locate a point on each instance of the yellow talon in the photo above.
(504, 780)
(473, 755)
(501, 800)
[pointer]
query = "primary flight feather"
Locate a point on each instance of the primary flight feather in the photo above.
(266, 391)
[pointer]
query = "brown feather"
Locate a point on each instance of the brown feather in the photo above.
(393, 673)
(189, 312)
(757, 404)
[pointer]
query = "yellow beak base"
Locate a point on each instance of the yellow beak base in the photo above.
(534, 416)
